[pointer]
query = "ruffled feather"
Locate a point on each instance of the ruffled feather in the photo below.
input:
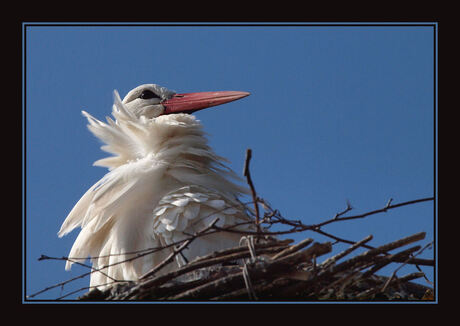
(164, 183)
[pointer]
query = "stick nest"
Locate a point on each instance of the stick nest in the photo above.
(265, 268)
(277, 270)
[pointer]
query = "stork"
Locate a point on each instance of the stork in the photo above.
(164, 183)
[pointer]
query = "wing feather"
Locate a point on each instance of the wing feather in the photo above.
(179, 214)
(112, 212)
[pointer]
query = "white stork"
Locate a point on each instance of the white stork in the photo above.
(164, 183)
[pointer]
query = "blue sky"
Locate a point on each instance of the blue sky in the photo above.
(336, 113)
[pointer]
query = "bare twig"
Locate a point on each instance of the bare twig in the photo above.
(342, 254)
(389, 259)
(299, 227)
(381, 210)
(346, 210)
(74, 261)
(298, 274)
(247, 174)
(215, 258)
(388, 204)
(302, 244)
(175, 252)
(374, 252)
(270, 269)
(393, 275)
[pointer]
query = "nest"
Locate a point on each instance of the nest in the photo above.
(265, 268)
(277, 270)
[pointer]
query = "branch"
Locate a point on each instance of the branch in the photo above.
(374, 252)
(342, 254)
(270, 269)
(247, 174)
(374, 258)
(393, 275)
(381, 210)
(218, 257)
(300, 227)
(175, 252)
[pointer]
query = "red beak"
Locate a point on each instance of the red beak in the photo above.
(191, 102)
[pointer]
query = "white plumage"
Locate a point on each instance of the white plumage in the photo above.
(164, 183)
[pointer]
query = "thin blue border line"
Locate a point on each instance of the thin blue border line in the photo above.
(342, 24)
(414, 302)
(268, 24)
(436, 106)
(23, 195)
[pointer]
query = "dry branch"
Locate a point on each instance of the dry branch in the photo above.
(277, 269)
(282, 271)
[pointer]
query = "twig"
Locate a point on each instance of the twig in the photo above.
(402, 265)
(58, 285)
(302, 244)
(342, 254)
(62, 284)
(280, 244)
(270, 269)
(210, 260)
(413, 261)
(279, 251)
(388, 204)
(389, 259)
(299, 227)
(74, 261)
(374, 252)
(382, 210)
(374, 290)
(346, 210)
(247, 174)
(248, 283)
(175, 252)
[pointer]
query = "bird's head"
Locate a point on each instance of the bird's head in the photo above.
(151, 100)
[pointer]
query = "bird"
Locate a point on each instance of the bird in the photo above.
(164, 183)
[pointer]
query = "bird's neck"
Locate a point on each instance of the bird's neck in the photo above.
(178, 140)
(190, 160)
(176, 143)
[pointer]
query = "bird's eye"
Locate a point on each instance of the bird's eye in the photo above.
(148, 94)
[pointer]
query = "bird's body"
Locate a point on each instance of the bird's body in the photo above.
(164, 184)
